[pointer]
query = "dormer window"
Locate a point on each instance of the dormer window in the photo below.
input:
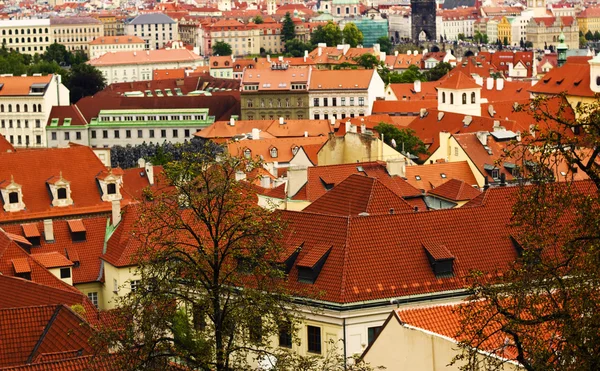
(110, 184)
(12, 196)
(247, 153)
(310, 265)
(60, 190)
(111, 188)
(273, 152)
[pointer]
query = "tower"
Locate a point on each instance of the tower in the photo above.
(423, 19)
(561, 50)
(271, 7)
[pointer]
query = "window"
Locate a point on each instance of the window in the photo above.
(325, 102)
(151, 133)
(78, 135)
(13, 198)
(274, 152)
(352, 101)
(38, 139)
(163, 133)
(334, 102)
(53, 136)
(342, 102)
(105, 134)
(473, 98)
(443, 97)
(372, 333)
(65, 273)
(62, 193)
(117, 134)
(93, 134)
(186, 133)
(111, 188)
(134, 285)
(93, 296)
(316, 116)
(175, 133)
(316, 102)
(314, 339)
(451, 98)
(38, 124)
(67, 135)
(361, 101)
(127, 133)
(140, 134)
(464, 98)
(247, 153)
(285, 335)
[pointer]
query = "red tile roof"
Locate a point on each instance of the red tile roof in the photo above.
(83, 363)
(437, 251)
(313, 256)
(21, 85)
(60, 113)
(5, 145)
(358, 194)
(340, 79)
(262, 147)
(457, 81)
(29, 331)
(21, 265)
(142, 57)
(76, 225)
(572, 77)
(222, 130)
(455, 190)
(123, 245)
(52, 260)
(429, 176)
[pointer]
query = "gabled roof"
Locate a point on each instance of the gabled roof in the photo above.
(123, 245)
(358, 194)
(52, 260)
(429, 176)
(21, 85)
(30, 331)
(573, 77)
(5, 145)
(222, 130)
(455, 190)
(458, 81)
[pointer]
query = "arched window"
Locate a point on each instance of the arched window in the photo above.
(464, 98)
(473, 97)
(10, 108)
(444, 97)
(1, 107)
(25, 108)
(451, 98)
(274, 152)
(34, 108)
(17, 108)
(347, 10)
(39, 108)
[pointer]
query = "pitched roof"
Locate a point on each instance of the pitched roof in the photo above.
(123, 245)
(146, 57)
(5, 145)
(340, 79)
(151, 18)
(61, 115)
(455, 190)
(52, 260)
(21, 85)
(83, 363)
(572, 77)
(429, 176)
(30, 331)
(268, 129)
(457, 81)
(275, 79)
(262, 147)
(358, 194)
(186, 84)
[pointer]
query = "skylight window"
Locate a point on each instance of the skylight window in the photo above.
(443, 175)
(417, 177)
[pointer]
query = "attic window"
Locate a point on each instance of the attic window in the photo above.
(31, 233)
(111, 188)
(62, 194)
(13, 198)
(273, 152)
(440, 259)
(560, 81)
(443, 175)
(78, 231)
(311, 263)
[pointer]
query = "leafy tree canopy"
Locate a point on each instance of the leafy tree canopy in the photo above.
(403, 140)
(84, 80)
(385, 45)
(296, 48)
(352, 35)
(329, 34)
(288, 31)
(437, 72)
(222, 48)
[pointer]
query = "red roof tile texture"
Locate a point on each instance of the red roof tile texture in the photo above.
(52, 260)
(5, 145)
(428, 177)
(455, 190)
(458, 81)
(572, 77)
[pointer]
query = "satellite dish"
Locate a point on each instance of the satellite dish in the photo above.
(394, 143)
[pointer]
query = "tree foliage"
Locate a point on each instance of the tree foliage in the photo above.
(409, 75)
(405, 139)
(385, 45)
(440, 70)
(352, 35)
(84, 80)
(288, 31)
(296, 48)
(329, 34)
(545, 307)
(368, 61)
(258, 20)
(222, 48)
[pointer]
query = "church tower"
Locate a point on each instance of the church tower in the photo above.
(423, 14)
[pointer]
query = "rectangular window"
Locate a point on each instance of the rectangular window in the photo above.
(93, 134)
(175, 133)
(38, 123)
(53, 135)
(186, 133)
(127, 133)
(93, 296)
(26, 124)
(352, 101)
(334, 102)
(372, 333)
(140, 134)
(163, 133)
(316, 116)
(134, 284)
(151, 133)
(314, 339)
(38, 139)
(325, 102)
(105, 134)
(115, 285)
(361, 101)
(65, 273)
(117, 134)
(285, 335)
(326, 116)
(67, 135)
(78, 135)
(316, 102)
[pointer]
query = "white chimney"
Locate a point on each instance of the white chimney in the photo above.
(281, 58)
(141, 162)
(482, 136)
(232, 121)
(116, 212)
(265, 181)
(479, 80)
(417, 86)
(305, 55)
(396, 53)
(396, 166)
(499, 84)
(240, 175)
(348, 126)
(489, 83)
(255, 134)
(297, 178)
(268, 58)
(149, 172)
(281, 121)
(332, 121)
(48, 230)
(363, 128)
(408, 52)
(306, 134)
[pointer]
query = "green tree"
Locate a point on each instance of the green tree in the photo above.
(288, 31)
(582, 42)
(58, 53)
(437, 72)
(505, 41)
(461, 36)
(528, 44)
(403, 140)
(368, 61)
(211, 293)
(385, 45)
(544, 305)
(258, 20)
(409, 75)
(84, 80)
(329, 34)
(296, 48)
(352, 35)
(589, 36)
(222, 48)
(596, 36)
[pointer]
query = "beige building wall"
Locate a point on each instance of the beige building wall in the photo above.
(93, 287)
(451, 151)
(355, 147)
(26, 36)
(117, 283)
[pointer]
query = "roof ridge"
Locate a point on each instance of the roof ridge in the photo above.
(345, 263)
(44, 333)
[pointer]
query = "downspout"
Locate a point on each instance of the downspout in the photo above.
(345, 355)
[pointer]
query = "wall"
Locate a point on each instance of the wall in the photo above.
(271, 111)
(448, 152)
(141, 72)
(96, 287)
(355, 147)
(122, 276)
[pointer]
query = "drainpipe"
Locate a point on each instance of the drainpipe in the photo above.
(345, 355)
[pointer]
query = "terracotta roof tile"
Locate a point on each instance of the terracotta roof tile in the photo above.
(457, 81)
(455, 190)
(263, 147)
(428, 177)
(146, 57)
(83, 363)
(21, 85)
(20, 239)
(109, 40)
(21, 265)
(572, 77)
(313, 256)
(437, 251)
(52, 260)
(340, 79)
(76, 225)
(5, 145)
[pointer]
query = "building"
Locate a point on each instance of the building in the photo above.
(113, 24)
(31, 36)
(243, 38)
(156, 29)
(423, 13)
(343, 93)
(544, 32)
(280, 91)
(25, 104)
(589, 20)
(455, 22)
(459, 94)
(221, 67)
(75, 33)
(372, 29)
(102, 45)
(126, 66)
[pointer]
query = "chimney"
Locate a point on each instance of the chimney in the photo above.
(363, 128)
(423, 112)
(269, 58)
(348, 126)
(265, 181)
(48, 230)
(149, 172)
(482, 136)
(232, 121)
(297, 178)
(255, 134)
(305, 55)
(332, 121)
(141, 162)
(306, 134)
(281, 58)
(281, 122)
(502, 180)
(396, 53)
(496, 126)
(417, 86)
(240, 175)
(489, 83)
(479, 80)
(116, 212)
(396, 167)
(499, 84)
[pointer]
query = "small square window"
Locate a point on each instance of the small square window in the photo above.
(65, 273)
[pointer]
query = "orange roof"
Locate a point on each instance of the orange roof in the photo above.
(146, 57)
(340, 79)
(168, 74)
(30, 230)
(427, 177)
(21, 265)
(263, 147)
(268, 129)
(590, 12)
(458, 81)
(455, 190)
(273, 80)
(108, 40)
(21, 85)
(572, 77)
(5, 145)
(76, 225)
(52, 260)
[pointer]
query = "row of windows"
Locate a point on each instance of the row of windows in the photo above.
(16, 40)
(28, 48)
(334, 101)
(153, 118)
(149, 27)
(3, 124)
(127, 132)
(464, 98)
(313, 336)
(11, 138)
(16, 32)
(274, 103)
(325, 116)
(9, 107)
(76, 30)
(272, 117)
